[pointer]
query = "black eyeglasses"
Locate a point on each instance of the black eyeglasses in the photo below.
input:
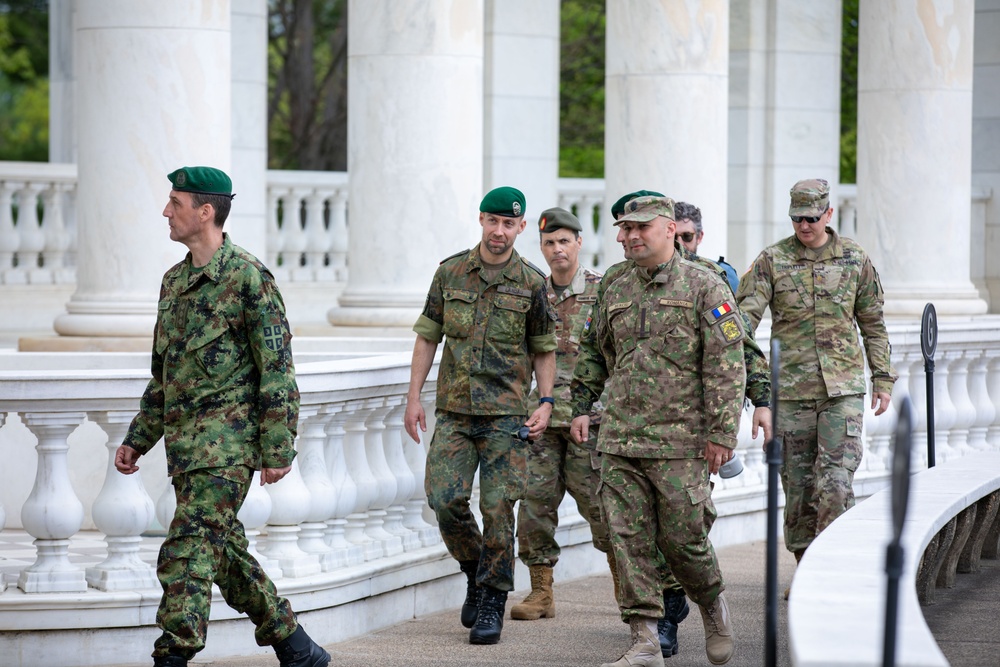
(687, 237)
(811, 219)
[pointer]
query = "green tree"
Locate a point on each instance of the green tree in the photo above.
(849, 94)
(24, 86)
(581, 89)
(307, 85)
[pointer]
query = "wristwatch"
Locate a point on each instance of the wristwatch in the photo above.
(547, 399)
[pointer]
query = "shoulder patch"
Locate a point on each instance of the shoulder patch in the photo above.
(457, 254)
(536, 269)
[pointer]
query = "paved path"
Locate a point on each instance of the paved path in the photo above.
(965, 620)
(586, 631)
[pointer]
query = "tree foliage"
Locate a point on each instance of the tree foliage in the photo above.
(581, 89)
(849, 94)
(307, 84)
(24, 90)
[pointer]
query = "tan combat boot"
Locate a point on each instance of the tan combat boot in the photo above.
(540, 603)
(613, 564)
(645, 650)
(718, 631)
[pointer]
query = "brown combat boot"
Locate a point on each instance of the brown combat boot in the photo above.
(540, 603)
(645, 650)
(613, 564)
(718, 631)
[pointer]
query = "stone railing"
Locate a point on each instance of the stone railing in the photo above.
(837, 604)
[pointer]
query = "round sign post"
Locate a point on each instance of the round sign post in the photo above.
(928, 344)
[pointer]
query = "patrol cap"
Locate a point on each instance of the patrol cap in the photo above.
(202, 180)
(505, 201)
(644, 209)
(619, 206)
(809, 197)
(552, 219)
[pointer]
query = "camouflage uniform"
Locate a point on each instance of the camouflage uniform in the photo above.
(670, 332)
(816, 296)
(224, 398)
(557, 463)
(491, 331)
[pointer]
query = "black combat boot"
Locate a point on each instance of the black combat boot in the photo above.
(169, 661)
(299, 650)
(470, 608)
(489, 623)
(675, 610)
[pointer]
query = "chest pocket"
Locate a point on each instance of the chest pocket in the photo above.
(459, 313)
(210, 342)
(507, 322)
(788, 297)
(164, 324)
(621, 323)
(826, 282)
(673, 331)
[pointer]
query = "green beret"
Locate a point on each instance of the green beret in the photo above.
(644, 209)
(203, 180)
(552, 219)
(619, 206)
(810, 197)
(505, 201)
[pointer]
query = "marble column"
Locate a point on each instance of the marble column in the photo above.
(152, 94)
(784, 114)
(986, 148)
(915, 151)
(522, 106)
(415, 151)
(248, 219)
(62, 120)
(666, 107)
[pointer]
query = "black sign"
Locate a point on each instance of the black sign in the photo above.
(928, 332)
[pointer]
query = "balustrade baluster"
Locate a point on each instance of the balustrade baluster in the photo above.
(323, 496)
(416, 458)
(965, 411)
(122, 511)
(591, 237)
(385, 481)
(917, 388)
(944, 409)
(290, 506)
(338, 234)
(52, 514)
(296, 240)
(993, 387)
(9, 239)
(253, 514)
(400, 470)
(3, 515)
(357, 465)
(30, 231)
(979, 395)
(344, 552)
(274, 236)
(877, 432)
(318, 235)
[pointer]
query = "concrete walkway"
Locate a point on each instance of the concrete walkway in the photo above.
(587, 630)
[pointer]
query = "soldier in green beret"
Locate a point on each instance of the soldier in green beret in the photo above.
(821, 288)
(665, 327)
(489, 305)
(556, 462)
(224, 399)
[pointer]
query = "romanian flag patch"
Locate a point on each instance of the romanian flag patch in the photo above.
(724, 309)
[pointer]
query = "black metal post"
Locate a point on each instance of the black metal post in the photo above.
(928, 343)
(773, 464)
(902, 443)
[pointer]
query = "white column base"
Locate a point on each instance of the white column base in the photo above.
(122, 570)
(909, 302)
(52, 572)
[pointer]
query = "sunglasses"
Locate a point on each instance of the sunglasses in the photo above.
(687, 237)
(812, 220)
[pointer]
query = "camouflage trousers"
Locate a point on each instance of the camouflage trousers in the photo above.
(205, 544)
(822, 449)
(556, 464)
(660, 506)
(460, 444)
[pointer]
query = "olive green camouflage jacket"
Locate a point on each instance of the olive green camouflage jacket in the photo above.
(574, 309)
(223, 392)
(816, 296)
(669, 348)
(490, 329)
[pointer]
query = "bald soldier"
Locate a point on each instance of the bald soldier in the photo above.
(666, 327)
(490, 307)
(821, 288)
(557, 463)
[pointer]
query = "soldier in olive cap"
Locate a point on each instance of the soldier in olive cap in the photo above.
(821, 288)
(490, 307)
(556, 462)
(224, 398)
(666, 327)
